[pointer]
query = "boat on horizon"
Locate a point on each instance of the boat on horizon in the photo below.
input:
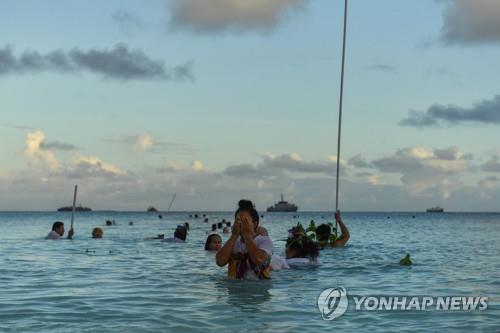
(436, 209)
(283, 206)
(79, 208)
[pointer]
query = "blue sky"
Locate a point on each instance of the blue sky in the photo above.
(221, 99)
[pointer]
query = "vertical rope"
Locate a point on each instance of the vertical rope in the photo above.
(340, 109)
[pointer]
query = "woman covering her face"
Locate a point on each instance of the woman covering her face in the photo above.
(248, 251)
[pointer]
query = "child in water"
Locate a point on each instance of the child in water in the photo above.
(213, 243)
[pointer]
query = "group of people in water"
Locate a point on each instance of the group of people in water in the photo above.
(248, 253)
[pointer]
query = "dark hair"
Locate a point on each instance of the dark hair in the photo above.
(187, 226)
(228, 224)
(305, 247)
(214, 227)
(219, 225)
(323, 232)
(247, 206)
(209, 240)
(57, 225)
(180, 232)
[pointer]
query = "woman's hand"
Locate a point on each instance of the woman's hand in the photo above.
(247, 226)
(236, 227)
(337, 216)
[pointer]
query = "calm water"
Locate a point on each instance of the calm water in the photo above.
(124, 283)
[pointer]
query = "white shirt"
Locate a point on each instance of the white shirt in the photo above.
(53, 235)
(263, 243)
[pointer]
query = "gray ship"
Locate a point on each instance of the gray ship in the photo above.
(283, 206)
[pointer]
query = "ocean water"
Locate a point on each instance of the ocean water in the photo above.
(124, 283)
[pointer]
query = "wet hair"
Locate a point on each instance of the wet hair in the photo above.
(57, 225)
(219, 225)
(180, 232)
(209, 240)
(323, 232)
(247, 206)
(214, 227)
(228, 224)
(187, 226)
(305, 247)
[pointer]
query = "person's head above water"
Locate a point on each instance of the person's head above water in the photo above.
(97, 233)
(302, 247)
(180, 232)
(213, 243)
(58, 227)
(246, 207)
(323, 232)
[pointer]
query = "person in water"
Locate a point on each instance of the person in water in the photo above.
(97, 233)
(299, 245)
(180, 235)
(213, 243)
(58, 231)
(325, 237)
(247, 252)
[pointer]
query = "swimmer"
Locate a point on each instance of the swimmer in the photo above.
(109, 223)
(180, 235)
(97, 233)
(247, 252)
(131, 223)
(325, 237)
(213, 243)
(58, 231)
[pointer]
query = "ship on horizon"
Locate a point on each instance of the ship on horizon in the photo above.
(283, 206)
(436, 209)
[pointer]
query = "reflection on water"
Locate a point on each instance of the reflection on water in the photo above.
(249, 296)
(124, 283)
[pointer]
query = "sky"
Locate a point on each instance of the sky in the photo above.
(218, 100)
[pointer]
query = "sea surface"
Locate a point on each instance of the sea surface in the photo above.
(125, 283)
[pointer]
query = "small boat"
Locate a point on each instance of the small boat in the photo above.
(436, 209)
(283, 206)
(77, 209)
(152, 209)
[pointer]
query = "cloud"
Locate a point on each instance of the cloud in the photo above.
(216, 16)
(469, 22)
(144, 142)
(84, 167)
(128, 22)
(484, 112)
(57, 145)
(197, 165)
(492, 165)
(120, 63)
(38, 156)
(424, 172)
(271, 166)
(147, 142)
(358, 161)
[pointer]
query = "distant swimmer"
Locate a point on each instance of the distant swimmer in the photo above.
(247, 252)
(97, 233)
(180, 235)
(327, 239)
(213, 242)
(58, 231)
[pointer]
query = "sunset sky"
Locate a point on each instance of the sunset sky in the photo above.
(217, 100)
